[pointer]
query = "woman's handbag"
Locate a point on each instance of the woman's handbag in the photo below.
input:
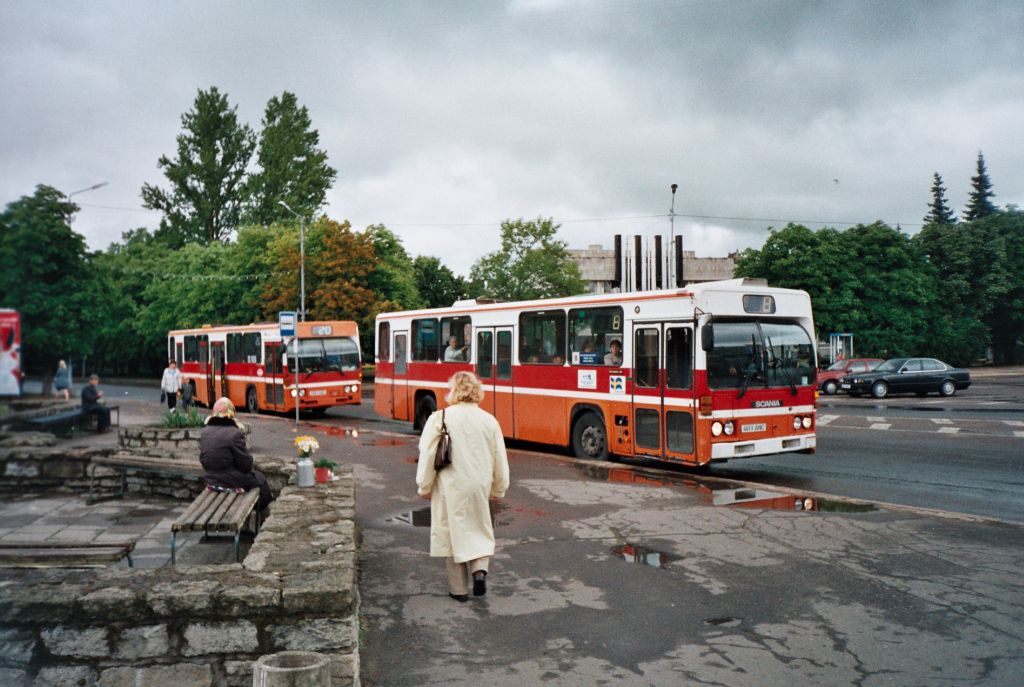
(163, 396)
(443, 454)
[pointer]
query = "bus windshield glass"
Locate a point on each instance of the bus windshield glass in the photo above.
(326, 355)
(751, 353)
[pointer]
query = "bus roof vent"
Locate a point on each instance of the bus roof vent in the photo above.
(754, 281)
(475, 301)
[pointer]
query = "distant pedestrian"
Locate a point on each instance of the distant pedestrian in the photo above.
(460, 521)
(62, 381)
(170, 385)
(92, 402)
(186, 396)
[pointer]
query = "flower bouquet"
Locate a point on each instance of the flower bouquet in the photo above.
(307, 446)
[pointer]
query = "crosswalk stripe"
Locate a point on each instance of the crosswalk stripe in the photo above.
(1019, 434)
(1015, 423)
(948, 430)
(876, 419)
(942, 421)
(880, 425)
(826, 419)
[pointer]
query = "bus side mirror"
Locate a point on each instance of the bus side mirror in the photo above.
(707, 337)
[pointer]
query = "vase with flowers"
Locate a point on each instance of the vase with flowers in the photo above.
(306, 446)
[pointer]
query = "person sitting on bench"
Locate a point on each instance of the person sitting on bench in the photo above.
(92, 402)
(226, 461)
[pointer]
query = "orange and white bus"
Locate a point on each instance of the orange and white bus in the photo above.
(252, 366)
(710, 372)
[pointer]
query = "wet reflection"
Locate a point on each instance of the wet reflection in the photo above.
(717, 492)
(634, 553)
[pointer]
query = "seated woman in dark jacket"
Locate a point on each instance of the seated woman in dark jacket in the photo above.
(226, 460)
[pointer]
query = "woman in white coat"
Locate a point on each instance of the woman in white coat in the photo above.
(460, 519)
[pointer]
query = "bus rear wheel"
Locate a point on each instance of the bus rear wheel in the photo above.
(424, 409)
(589, 439)
(252, 402)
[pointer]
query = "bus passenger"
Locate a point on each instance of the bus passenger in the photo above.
(615, 357)
(454, 354)
(460, 519)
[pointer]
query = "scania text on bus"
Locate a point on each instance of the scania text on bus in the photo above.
(255, 368)
(714, 371)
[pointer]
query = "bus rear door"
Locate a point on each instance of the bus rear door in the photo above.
(217, 381)
(494, 368)
(663, 395)
(400, 379)
(273, 383)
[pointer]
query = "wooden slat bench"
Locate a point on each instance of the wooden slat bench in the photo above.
(74, 420)
(217, 511)
(154, 464)
(64, 554)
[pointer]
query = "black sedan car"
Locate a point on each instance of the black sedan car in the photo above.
(907, 375)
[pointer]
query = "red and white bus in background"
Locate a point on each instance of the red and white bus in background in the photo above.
(10, 352)
(710, 372)
(252, 366)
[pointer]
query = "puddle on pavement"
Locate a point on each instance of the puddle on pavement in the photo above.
(420, 517)
(717, 492)
(386, 441)
(341, 432)
(634, 553)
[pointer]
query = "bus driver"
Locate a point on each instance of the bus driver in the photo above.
(454, 353)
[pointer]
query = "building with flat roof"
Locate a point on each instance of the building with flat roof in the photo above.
(597, 266)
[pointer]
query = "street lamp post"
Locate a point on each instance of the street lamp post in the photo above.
(71, 216)
(302, 297)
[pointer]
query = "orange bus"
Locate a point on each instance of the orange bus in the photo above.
(711, 372)
(252, 366)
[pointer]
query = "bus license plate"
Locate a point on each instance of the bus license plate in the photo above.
(318, 392)
(759, 427)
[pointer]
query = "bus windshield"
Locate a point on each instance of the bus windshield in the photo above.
(326, 355)
(753, 353)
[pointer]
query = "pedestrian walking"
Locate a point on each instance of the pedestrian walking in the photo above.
(170, 385)
(460, 521)
(62, 381)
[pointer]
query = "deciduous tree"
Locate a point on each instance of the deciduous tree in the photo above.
(437, 285)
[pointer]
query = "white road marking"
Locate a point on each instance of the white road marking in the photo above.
(826, 419)
(1014, 423)
(948, 430)
(880, 425)
(1019, 434)
(942, 421)
(876, 419)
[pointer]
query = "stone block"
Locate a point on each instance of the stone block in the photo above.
(245, 600)
(65, 676)
(143, 642)
(220, 638)
(176, 675)
(188, 597)
(344, 669)
(12, 677)
(91, 642)
(47, 603)
(109, 603)
(325, 592)
(66, 469)
(20, 468)
(317, 634)
(16, 646)
(238, 673)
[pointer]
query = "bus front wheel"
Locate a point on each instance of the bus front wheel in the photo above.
(589, 439)
(424, 409)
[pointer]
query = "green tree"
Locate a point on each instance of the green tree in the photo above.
(437, 285)
(393, 278)
(939, 211)
(47, 275)
(206, 177)
(979, 203)
(292, 167)
(531, 263)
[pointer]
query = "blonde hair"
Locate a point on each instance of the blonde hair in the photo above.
(464, 388)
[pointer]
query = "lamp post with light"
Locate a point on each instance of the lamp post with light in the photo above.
(71, 219)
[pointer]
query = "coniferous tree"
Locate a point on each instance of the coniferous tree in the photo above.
(979, 203)
(292, 167)
(204, 201)
(939, 211)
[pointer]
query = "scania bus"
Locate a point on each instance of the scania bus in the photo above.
(710, 372)
(252, 366)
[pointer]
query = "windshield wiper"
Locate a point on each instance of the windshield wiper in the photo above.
(785, 370)
(751, 372)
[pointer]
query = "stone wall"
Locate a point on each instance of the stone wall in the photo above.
(195, 625)
(34, 461)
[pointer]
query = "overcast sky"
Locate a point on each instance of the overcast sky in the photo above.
(443, 118)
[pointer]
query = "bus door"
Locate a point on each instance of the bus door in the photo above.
(663, 396)
(494, 368)
(400, 379)
(273, 382)
(216, 370)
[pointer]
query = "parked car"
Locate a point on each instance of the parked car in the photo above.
(908, 375)
(828, 379)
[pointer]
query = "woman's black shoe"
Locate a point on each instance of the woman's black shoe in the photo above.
(479, 583)
(461, 598)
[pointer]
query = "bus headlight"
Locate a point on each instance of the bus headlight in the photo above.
(716, 429)
(729, 428)
(807, 423)
(797, 422)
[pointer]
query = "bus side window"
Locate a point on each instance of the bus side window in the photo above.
(591, 331)
(424, 340)
(542, 337)
(504, 355)
(384, 342)
(679, 357)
